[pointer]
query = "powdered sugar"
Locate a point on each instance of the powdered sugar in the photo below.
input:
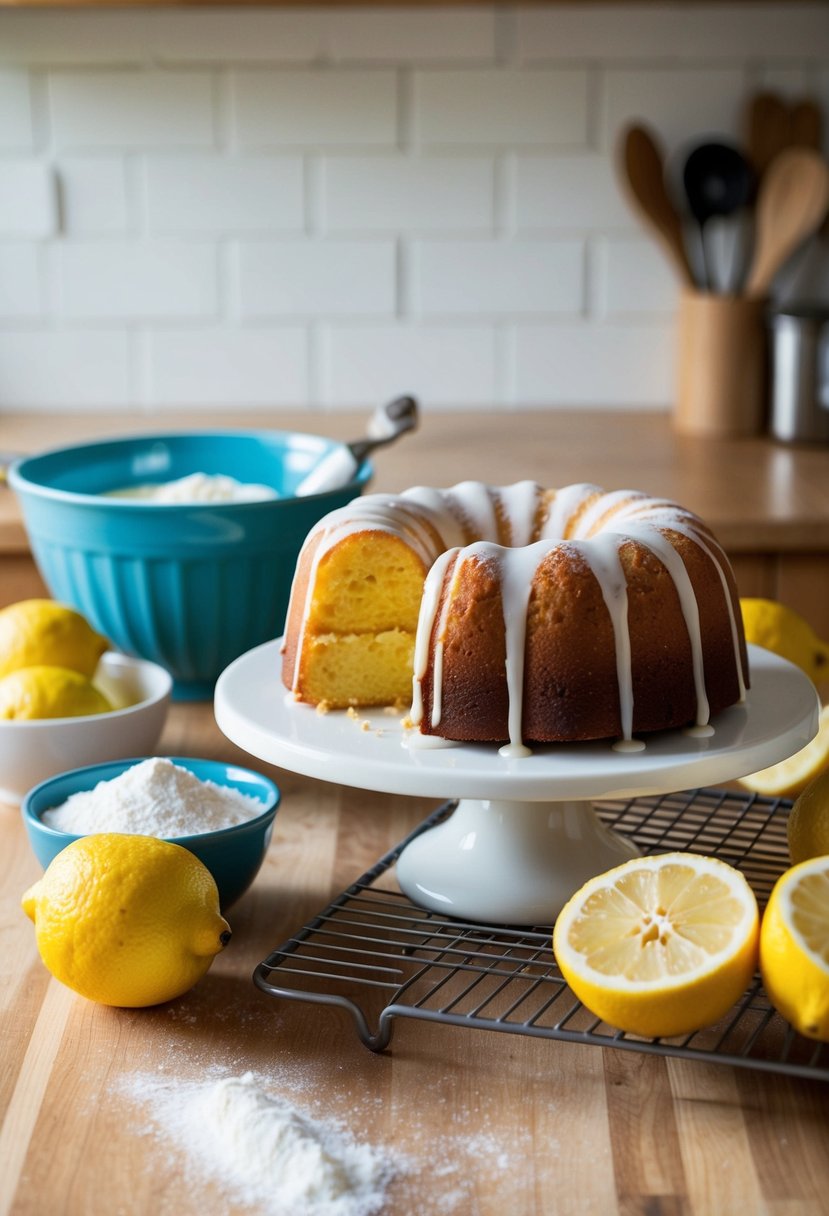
(154, 798)
(268, 1154)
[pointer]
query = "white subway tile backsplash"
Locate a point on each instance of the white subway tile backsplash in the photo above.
(399, 193)
(64, 369)
(222, 194)
(28, 199)
(93, 193)
(225, 368)
(621, 365)
(501, 106)
(316, 107)
(16, 120)
(498, 277)
(21, 292)
(131, 109)
(579, 192)
(152, 280)
(441, 365)
(53, 37)
(240, 35)
(324, 278)
(316, 206)
(639, 32)
(679, 104)
(637, 279)
(411, 35)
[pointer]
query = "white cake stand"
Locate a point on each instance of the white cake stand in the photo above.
(525, 835)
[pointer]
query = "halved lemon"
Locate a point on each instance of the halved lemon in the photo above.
(794, 947)
(807, 827)
(660, 946)
(790, 777)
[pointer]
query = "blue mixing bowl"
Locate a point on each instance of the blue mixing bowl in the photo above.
(190, 586)
(232, 855)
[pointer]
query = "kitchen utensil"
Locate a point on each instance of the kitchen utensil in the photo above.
(387, 423)
(806, 123)
(767, 130)
(32, 750)
(791, 204)
(718, 182)
(643, 174)
(800, 375)
(232, 855)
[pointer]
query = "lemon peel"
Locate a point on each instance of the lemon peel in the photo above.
(49, 692)
(790, 777)
(41, 632)
(807, 827)
(794, 947)
(127, 920)
(775, 627)
(660, 946)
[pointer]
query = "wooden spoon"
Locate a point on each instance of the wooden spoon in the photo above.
(806, 125)
(767, 129)
(644, 176)
(791, 205)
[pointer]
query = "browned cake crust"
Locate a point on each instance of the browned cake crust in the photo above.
(571, 688)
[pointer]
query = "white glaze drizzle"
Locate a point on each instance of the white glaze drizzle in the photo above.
(650, 536)
(432, 590)
(469, 508)
(566, 503)
(601, 554)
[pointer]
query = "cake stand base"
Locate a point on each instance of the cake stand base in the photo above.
(516, 863)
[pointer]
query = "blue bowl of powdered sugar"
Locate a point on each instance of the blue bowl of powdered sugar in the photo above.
(222, 813)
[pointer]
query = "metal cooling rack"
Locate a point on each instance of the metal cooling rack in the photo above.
(380, 957)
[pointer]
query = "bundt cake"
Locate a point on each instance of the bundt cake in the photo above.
(517, 613)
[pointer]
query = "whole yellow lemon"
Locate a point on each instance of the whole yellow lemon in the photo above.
(127, 920)
(49, 692)
(783, 631)
(36, 633)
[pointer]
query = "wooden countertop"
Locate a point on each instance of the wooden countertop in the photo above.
(757, 495)
(493, 1124)
(508, 1125)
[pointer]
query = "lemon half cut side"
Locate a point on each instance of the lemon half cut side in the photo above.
(790, 777)
(660, 946)
(794, 947)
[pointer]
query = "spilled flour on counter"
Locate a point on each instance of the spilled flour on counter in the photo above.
(264, 1151)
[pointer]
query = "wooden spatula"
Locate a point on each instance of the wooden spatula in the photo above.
(791, 204)
(643, 175)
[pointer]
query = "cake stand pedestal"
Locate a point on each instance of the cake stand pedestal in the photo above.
(525, 834)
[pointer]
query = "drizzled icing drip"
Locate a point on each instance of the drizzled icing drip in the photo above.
(619, 516)
(439, 525)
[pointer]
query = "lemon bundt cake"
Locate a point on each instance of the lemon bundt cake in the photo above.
(517, 613)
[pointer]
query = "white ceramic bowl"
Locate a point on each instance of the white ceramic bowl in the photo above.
(32, 751)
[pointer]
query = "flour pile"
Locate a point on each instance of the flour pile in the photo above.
(154, 798)
(267, 1153)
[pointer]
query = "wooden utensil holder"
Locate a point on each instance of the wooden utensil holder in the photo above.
(722, 366)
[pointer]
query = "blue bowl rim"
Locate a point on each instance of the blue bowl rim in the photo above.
(126, 711)
(272, 803)
(21, 482)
